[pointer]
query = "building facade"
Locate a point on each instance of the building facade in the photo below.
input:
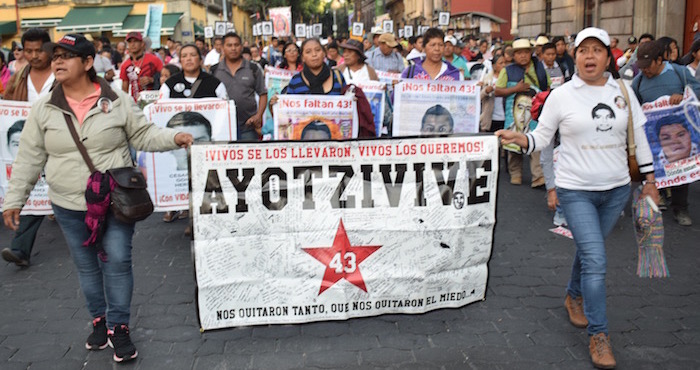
(182, 19)
(621, 18)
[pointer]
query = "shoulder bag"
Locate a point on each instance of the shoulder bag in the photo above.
(130, 201)
(635, 175)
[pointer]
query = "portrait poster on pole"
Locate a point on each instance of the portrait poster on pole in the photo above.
(375, 92)
(300, 30)
(444, 19)
(13, 115)
(220, 28)
(166, 173)
(276, 79)
(358, 29)
(303, 231)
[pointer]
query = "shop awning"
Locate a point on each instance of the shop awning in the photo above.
(8, 27)
(198, 30)
(94, 19)
(138, 23)
(40, 22)
(482, 15)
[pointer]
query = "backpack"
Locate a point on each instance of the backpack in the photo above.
(538, 103)
(364, 112)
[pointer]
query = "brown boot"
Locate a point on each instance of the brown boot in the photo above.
(601, 352)
(575, 308)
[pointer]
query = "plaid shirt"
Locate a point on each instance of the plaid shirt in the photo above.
(387, 63)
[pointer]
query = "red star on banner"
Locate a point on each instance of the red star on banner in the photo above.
(342, 260)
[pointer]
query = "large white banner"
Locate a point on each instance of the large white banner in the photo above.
(436, 107)
(307, 231)
(315, 117)
(13, 114)
(207, 120)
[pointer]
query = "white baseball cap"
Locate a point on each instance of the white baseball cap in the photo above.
(451, 39)
(594, 32)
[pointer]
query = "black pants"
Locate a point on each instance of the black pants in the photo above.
(679, 197)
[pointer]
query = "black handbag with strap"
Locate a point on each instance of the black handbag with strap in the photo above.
(130, 201)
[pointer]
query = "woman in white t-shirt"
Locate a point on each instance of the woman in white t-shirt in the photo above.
(592, 177)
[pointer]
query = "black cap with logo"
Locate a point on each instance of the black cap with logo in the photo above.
(77, 44)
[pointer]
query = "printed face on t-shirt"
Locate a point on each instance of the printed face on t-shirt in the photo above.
(603, 116)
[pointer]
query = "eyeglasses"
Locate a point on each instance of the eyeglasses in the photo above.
(290, 50)
(64, 56)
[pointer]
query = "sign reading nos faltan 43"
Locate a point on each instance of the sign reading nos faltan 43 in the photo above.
(293, 232)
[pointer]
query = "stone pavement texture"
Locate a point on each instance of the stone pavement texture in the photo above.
(654, 323)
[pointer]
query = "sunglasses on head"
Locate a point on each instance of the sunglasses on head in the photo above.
(64, 56)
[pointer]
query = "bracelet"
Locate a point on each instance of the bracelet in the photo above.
(645, 183)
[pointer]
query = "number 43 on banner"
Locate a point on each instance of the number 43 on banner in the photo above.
(342, 260)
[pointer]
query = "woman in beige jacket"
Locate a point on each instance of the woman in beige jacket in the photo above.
(107, 122)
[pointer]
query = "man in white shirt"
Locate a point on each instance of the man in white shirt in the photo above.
(214, 55)
(29, 84)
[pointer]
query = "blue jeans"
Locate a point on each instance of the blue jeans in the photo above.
(591, 216)
(107, 286)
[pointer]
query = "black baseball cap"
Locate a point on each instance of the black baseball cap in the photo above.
(75, 43)
(648, 52)
(632, 40)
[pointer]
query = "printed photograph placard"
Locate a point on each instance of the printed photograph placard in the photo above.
(294, 232)
(207, 120)
(13, 115)
(674, 139)
(435, 107)
(276, 79)
(315, 117)
(375, 92)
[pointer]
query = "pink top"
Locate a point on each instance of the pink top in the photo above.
(81, 108)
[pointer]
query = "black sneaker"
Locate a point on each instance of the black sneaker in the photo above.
(119, 339)
(98, 339)
(10, 256)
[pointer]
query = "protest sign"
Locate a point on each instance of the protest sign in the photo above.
(314, 117)
(309, 231)
(388, 77)
(276, 79)
(166, 173)
(358, 29)
(518, 113)
(375, 91)
(13, 115)
(153, 24)
(300, 30)
(673, 139)
(281, 21)
(267, 29)
(147, 97)
(440, 107)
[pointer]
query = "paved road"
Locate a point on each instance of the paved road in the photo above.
(655, 324)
